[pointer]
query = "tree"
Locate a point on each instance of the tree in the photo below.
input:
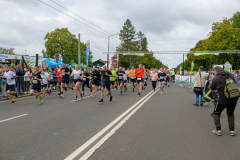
(127, 34)
(6, 51)
(64, 44)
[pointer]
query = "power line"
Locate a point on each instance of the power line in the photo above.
(71, 17)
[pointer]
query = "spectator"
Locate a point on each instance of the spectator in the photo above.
(26, 80)
(199, 82)
(1, 82)
(218, 83)
(20, 78)
(13, 63)
(236, 75)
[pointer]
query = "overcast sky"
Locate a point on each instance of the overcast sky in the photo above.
(172, 25)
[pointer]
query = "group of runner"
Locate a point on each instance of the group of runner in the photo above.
(97, 79)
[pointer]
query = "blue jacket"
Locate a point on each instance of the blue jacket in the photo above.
(20, 72)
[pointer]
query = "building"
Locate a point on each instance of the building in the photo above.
(100, 63)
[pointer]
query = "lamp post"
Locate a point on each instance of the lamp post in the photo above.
(108, 49)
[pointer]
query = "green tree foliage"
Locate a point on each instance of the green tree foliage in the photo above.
(64, 44)
(130, 41)
(225, 35)
(6, 51)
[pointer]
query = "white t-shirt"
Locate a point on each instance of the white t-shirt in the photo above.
(76, 74)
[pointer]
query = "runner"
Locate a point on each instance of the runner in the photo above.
(112, 79)
(168, 78)
(132, 77)
(44, 81)
(85, 80)
(10, 76)
(144, 83)
(76, 79)
(161, 76)
(139, 73)
(154, 77)
(96, 80)
(106, 82)
(36, 81)
(120, 75)
(125, 76)
(65, 79)
(52, 79)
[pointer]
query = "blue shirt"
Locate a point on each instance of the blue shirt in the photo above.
(144, 76)
(53, 79)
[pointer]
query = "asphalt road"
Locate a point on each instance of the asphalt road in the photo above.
(149, 127)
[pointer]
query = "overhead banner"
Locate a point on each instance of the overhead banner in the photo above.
(87, 52)
(200, 54)
(117, 59)
(134, 54)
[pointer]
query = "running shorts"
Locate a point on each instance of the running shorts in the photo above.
(44, 85)
(36, 87)
(107, 85)
(76, 80)
(96, 83)
(53, 83)
(65, 81)
(10, 88)
(112, 83)
(161, 83)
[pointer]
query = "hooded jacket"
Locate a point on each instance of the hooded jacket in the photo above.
(218, 83)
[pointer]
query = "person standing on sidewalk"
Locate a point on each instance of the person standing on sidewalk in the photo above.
(199, 82)
(218, 83)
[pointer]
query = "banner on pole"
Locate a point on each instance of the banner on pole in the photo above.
(192, 66)
(87, 52)
(117, 59)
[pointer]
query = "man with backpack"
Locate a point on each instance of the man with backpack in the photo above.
(228, 93)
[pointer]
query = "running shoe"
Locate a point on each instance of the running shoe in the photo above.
(36, 97)
(41, 102)
(65, 88)
(101, 100)
(90, 89)
(233, 133)
(161, 92)
(61, 96)
(195, 104)
(81, 96)
(121, 92)
(201, 104)
(42, 97)
(218, 133)
(13, 102)
(108, 94)
(168, 85)
(110, 99)
(76, 98)
(139, 93)
(72, 90)
(125, 90)
(133, 89)
(93, 97)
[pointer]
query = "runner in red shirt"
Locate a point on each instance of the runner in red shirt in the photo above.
(139, 73)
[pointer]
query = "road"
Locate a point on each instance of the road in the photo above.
(147, 127)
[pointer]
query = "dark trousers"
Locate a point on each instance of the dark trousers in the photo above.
(26, 86)
(154, 84)
(83, 85)
(20, 81)
(230, 113)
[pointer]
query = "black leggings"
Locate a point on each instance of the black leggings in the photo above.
(154, 84)
(83, 85)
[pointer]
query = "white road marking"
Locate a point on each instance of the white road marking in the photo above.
(110, 133)
(80, 98)
(13, 118)
(99, 134)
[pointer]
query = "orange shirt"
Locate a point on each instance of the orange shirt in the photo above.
(132, 74)
(140, 74)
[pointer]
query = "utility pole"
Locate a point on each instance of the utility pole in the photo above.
(183, 65)
(79, 50)
(108, 50)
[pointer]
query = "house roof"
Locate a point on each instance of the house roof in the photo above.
(104, 62)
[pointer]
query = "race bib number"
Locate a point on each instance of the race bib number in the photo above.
(51, 77)
(9, 81)
(84, 79)
(76, 76)
(63, 73)
(161, 77)
(90, 78)
(139, 79)
(120, 77)
(145, 80)
(132, 78)
(35, 82)
(60, 75)
(154, 79)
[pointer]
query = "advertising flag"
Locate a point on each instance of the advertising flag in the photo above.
(87, 52)
(117, 59)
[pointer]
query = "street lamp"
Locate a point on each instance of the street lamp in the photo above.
(108, 49)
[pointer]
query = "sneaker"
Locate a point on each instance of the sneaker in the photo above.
(36, 97)
(110, 99)
(233, 133)
(61, 96)
(76, 98)
(81, 96)
(201, 104)
(41, 102)
(161, 92)
(93, 97)
(168, 86)
(133, 89)
(42, 97)
(65, 88)
(125, 90)
(108, 94)
(218, 133)
(195, 104)
(13, 102)
(139, 93)
(101, 100)
(121, 92)
(90, 89)
(72, 90)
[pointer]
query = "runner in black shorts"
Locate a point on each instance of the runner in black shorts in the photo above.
(36, 79)
(96, 79)
(77, 73)
(120, 75)
(65, 78)
(44, 81)
(106, 82)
